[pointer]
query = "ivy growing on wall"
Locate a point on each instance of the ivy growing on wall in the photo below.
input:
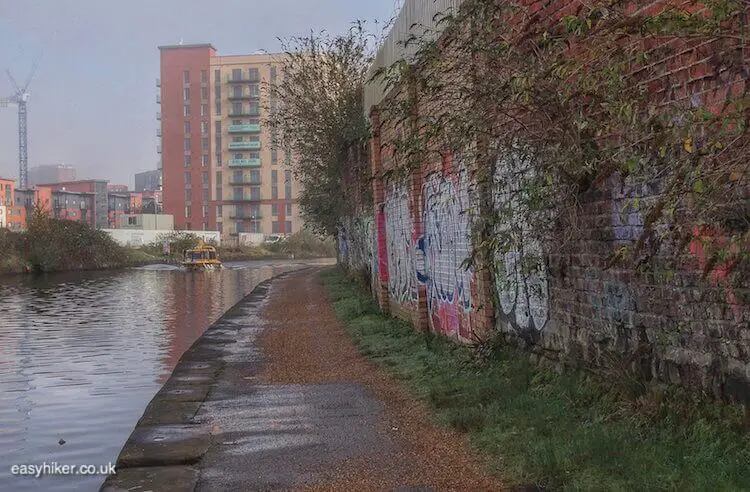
(555, 109)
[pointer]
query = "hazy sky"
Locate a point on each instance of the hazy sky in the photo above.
(93, 98)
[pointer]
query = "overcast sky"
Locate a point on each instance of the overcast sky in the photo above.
(93, 98)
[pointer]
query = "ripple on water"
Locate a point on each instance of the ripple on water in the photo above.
(81, 354)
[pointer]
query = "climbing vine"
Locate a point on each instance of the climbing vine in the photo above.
(653, 101)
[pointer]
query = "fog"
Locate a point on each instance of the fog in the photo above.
(93, 96)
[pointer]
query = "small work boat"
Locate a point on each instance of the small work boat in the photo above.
(203, 257)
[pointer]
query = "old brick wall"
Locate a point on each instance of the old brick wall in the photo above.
(680, 320)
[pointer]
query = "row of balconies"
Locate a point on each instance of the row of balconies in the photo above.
(244, 162)
(245, 145)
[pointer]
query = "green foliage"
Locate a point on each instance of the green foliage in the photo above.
(56, 245)
(305, 244)
(178, 241)
(315, 112)
(550, 113)
(554, 430)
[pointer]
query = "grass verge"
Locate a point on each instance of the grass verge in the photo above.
(548, 430)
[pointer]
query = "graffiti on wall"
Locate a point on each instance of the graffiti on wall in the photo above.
(720, 272)
(627, 220)
(400, 245)
(521, 282)
(445, 245)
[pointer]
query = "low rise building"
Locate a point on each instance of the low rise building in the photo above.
(147, 221)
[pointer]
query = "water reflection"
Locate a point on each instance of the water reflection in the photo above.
(82, 354)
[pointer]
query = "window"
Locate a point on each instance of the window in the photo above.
(204, 178)
(255, 176)
(187, 143)
(274, 210)
(217, 128)
(188, 195)
(236, 139)
(254, 90)
(253, 138)
(187, 127)
(236, 122)
(204, 76)
(218, 178)
(274, 177)
(186, 94)
(187, 177)
(204, 160)
(238, 155)
(204, 143)
(217, 76)
(205, 194)
(186, 111)
(204, 109)
(274, 185)
(255, 192)
(204, 211)
(187, 161)
(288, 226)
(204, 93)
(254, 75)
(187, 226)
(237, 91)
(204, 127)
(188, 211)
(186, 77)
(219, 194)
(274, 156)
(254, 108)
(218, 108)
(275, 227)
(132, 221)
(288, 209)
(218, 159)
(219, 210)
(236, 74)
(255, 155)
(217, 93)
(236, 108)
(288, 185)
(237, 193)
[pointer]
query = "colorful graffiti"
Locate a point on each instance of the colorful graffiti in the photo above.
(402, 279)
(445, 246)
(702, 238)
(627, 221)
(521, 281)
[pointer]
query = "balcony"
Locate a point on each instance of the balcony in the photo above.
(158, 82)
(244, 198)
(158, 149)
(246, 217)
(243, 79)
(254, 128)
(252, 145)
(237, 97)
(158, 132)
(158, 99)
(245, 182)
(244, 113)
(158, 116)
(244, 162)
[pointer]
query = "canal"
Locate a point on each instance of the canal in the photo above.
(82, 354)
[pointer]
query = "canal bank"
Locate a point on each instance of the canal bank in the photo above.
(274, 395)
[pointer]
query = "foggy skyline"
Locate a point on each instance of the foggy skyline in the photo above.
(93, 98)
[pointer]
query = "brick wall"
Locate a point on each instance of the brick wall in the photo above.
(681, 320)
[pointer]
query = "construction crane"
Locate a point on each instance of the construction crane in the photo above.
(20, 98)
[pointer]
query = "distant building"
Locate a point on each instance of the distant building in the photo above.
(116, 188)
(160, 222)
(148, 181)
(96, 186)
(11, 215)
(56, 173)
(223, 169)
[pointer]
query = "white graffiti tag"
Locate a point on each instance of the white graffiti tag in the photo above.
(521, 280)
(447, 227)
(402, 280)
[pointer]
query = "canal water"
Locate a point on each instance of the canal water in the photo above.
(82, 354)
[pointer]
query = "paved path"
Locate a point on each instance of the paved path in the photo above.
(274, 396)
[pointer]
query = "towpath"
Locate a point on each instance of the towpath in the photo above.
(274, 396)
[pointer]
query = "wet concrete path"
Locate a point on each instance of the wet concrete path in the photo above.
(274, 396)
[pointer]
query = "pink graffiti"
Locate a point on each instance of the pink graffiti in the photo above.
(720, 271)
(382, 248)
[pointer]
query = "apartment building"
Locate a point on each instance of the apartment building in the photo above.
(222, 168)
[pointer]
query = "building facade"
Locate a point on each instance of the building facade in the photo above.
(222, 168)
(148, 181)
(56, 173)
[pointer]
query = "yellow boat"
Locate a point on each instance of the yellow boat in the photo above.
(203, 257)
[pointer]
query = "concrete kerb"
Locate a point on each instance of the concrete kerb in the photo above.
(167, 440)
